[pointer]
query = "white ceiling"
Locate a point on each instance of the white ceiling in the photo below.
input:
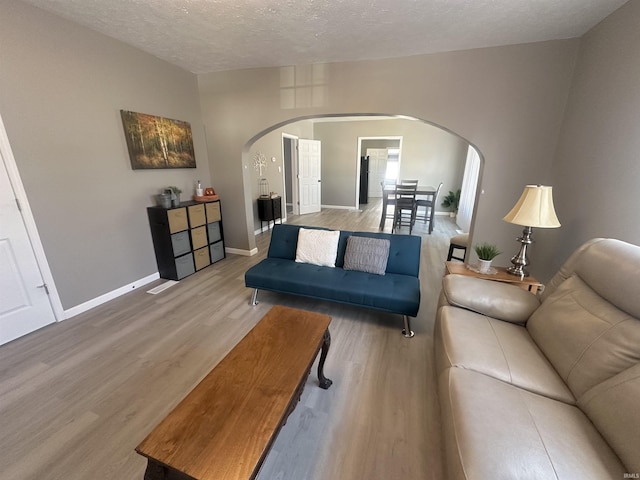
(215, 35)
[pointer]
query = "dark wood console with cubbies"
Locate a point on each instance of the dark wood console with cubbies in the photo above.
(186, 238)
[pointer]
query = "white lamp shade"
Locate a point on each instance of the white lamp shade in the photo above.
(534, 209)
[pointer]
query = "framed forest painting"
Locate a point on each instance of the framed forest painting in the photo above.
(157, 142)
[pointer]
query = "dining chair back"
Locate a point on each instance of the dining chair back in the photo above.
(390, 200)
(405, 209)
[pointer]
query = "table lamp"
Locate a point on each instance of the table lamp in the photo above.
(534, 209)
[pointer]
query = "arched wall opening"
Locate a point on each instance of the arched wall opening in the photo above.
(268, 145)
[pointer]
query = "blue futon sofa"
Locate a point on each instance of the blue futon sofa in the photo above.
(397, 291)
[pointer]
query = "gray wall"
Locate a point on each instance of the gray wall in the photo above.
(597, 165)
(62, 86)
(429, 154)
(61, 90)
(382, 143)
(507, 101)
(271, 146)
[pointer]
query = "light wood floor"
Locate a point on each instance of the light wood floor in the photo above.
(78, 396)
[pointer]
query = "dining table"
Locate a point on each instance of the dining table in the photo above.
(423, 190)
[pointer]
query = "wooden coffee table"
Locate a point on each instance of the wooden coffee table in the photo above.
(224, 428)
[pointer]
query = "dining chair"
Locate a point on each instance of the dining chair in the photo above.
(408, 182)
(429, 204)
(405, 209)
(388, 213)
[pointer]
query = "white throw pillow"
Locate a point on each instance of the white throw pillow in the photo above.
(318, 247)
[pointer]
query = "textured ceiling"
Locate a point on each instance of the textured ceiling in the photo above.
(214, 35)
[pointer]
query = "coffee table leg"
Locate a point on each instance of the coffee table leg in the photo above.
(155, 471)
(326, 343)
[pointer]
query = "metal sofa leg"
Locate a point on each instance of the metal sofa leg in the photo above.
(254, 298)
(406, 331)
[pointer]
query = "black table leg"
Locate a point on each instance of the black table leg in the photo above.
(326, 343)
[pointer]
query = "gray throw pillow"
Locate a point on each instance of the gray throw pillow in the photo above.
(366, 254)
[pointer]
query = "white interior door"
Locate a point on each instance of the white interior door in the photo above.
(24, 300)
(309, 178)
(377, 170)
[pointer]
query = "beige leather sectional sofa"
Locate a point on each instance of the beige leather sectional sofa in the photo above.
(544, 387)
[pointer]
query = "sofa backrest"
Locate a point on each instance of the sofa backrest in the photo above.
(607, 266)
(588, 326)
(404, 250)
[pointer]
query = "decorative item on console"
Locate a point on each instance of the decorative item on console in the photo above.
(264, 188)
(208, 195)
(164, 199)
(169, 197)
(175, 195)
(486, 253)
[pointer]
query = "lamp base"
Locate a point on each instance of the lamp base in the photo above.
(520, 260)
(518, 270)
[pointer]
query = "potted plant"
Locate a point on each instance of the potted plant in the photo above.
(175, 195)
(486, 253)
(452, 200)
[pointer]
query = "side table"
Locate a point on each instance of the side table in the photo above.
(529, 283)
(269, 208)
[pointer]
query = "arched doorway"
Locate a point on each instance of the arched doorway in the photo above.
(421, 155)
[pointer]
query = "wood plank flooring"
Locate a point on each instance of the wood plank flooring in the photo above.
(77, 397)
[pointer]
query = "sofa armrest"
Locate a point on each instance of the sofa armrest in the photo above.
(495, 299)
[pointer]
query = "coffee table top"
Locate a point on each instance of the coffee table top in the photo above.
(224, 428)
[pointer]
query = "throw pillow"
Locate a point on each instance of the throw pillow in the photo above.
(367, 254)
(318, 247)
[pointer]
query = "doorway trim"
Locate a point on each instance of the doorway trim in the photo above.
(29, 221)
(360, 139)
(294, 176)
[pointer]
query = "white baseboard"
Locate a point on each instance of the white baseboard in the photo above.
(339, 207)
(83, 307)
(269, 226)
(237, 251)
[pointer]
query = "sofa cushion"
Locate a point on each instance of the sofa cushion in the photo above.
(404, 250)
(586, 338)
(613, 408)
(318, 247)
(284, 241)
(499, 300)
(499, 349)
(494, 430)
(391, 292)
(366, 254)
